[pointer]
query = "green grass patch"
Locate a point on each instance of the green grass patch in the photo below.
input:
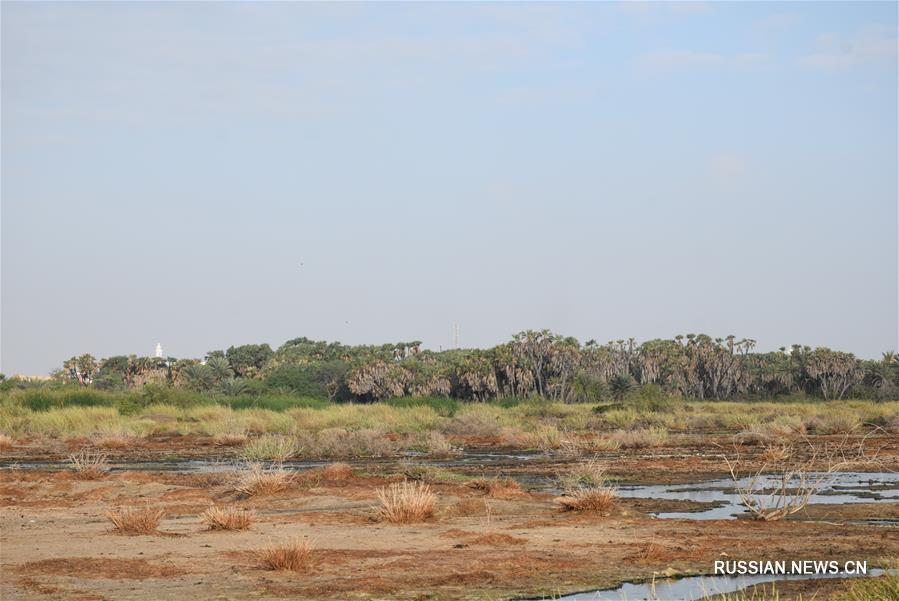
(445, 407)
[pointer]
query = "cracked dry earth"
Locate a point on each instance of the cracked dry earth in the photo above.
(55, 542)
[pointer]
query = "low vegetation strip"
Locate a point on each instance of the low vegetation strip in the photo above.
(543, 423)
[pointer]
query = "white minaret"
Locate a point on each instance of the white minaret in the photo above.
(159, 349)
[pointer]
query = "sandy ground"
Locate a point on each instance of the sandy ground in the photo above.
(55, 542)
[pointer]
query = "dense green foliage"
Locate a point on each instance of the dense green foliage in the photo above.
(533, 363)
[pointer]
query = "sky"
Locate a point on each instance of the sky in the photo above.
(209, 174)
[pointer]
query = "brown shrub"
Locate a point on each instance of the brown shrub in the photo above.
(600, 499)
(497, 487)
(337, 472)
(227, 518)
(6, 443)
(294, 554)
(135, 520)
(405, 502)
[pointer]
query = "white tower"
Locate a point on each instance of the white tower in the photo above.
(158, 349)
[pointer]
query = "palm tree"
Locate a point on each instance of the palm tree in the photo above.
(221, 368)
(198, 377)
(233, 387)
(620, 385)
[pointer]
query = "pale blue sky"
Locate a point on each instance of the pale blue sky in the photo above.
(603, 170)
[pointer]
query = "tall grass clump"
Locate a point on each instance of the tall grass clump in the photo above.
(135, 520)
(406, 502)
(640, 439)
(586, 489)
(6, 442)
(258, 480)
(294, 555)
(270, 447)
(881, 588)
(587, 474)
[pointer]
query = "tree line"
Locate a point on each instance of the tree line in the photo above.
(540, 363)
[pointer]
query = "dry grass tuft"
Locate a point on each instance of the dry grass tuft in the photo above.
(260, 481)
(6, 443)
(230, 439)
(89, 465)
(294, 554)
(337, 472)
(113, 442)
(547, 438)
(227, 518)
(776, 453)
(135, 520)
(497, 487)
(405, 502)
(601, 499)
(640, 439)
(438, 445)
(651, 552)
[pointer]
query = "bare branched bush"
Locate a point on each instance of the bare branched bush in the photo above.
(89, 465)
(135, 520)
(227, 518)
(787, 479)
(258, 480)
(294, 554)
(405, 502)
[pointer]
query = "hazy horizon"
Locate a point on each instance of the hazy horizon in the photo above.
(206, 175)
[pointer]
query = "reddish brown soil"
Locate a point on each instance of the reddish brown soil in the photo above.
(56, 544)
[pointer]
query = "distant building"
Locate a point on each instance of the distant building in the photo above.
(159, 349)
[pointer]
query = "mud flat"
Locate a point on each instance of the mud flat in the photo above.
(502, 544)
